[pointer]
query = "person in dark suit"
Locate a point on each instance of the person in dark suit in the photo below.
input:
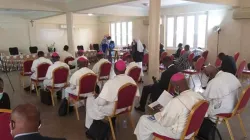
(178, 52)
(228, 63)
(4, 97)
(25, 122)
(158, 87)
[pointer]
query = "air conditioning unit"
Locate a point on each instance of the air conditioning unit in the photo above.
(241, 13)
(146, 21)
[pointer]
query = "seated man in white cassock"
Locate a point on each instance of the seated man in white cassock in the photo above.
(221, 92)
(41, 59)
(172, 118)
(74, 80)
(80, 54)
(65, 54)
(97, 66)
(49, 75)
(104, 104)
(131, 64)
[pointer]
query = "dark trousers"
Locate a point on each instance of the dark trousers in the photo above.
(153, 90)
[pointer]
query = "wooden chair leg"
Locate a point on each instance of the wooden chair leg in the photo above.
(52, 97)
(31, 86)
(112, 128)
(77, 112)
(131, 120)
(37, 93)
(229, 129)
(242, 126)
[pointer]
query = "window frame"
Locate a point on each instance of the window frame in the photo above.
(121, 32)
(196, 16)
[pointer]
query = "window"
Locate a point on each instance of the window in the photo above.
(189, 29)
(121, 33)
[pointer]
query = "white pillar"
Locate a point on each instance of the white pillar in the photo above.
(69, 20)
(154, 37)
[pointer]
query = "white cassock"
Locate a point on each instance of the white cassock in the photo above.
(97, 66)
(64, 55)
(130, 66)
(171, 121)
(74, 81)
(36, 63)
(222, 93)
(49, 75)
(103, 105)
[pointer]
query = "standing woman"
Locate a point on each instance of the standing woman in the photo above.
(138, 53)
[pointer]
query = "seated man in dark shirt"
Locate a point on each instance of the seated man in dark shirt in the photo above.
(4, 97)
(228, 63)
(159, 86)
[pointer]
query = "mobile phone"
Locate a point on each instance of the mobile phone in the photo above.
(151, 118)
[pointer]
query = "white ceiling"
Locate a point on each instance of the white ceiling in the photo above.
(164, 3)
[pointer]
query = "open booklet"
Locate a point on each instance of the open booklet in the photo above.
(162, 101)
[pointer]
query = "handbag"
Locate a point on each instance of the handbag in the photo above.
(208, 131)
(63, 109)
(45, 97)
(99, 130)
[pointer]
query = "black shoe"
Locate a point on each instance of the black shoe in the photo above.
(204, 88)
(27, 88)
(140, 109)
(71, 109)
(33, 91)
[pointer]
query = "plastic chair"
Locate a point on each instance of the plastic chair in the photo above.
(27, 64)
(198, 66)
(239, 108)
(60, 76)
(163, 55)
(87, 84)
(240, 69)
(194, 121)
(182, 52)
(126, 95)
(124, 56)
(135, 73)
(190, 58)
(41, 73)
(104, 72)
(236, 56)
(5, 124)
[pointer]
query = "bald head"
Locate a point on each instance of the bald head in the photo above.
(25, 118)
(210, 71)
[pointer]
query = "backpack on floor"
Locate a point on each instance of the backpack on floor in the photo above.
(99, 130)
(45, 97)
(208, 131)
(63, 109)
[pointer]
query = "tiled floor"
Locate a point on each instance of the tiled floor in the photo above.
(70, 128)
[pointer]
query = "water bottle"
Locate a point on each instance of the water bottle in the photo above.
(124, 124)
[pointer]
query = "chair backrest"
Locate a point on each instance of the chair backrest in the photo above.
(135, 73)
(163, 55)
(241, 68)
(172, 57)
(218, 62)
(242, 102)
(124, 56)
(33, 49)
(105, 69)
(4, 127)
(60, 75)
(236, 56)
(200, 62)
(96, 47)
(145, 59)
(66, 60)
(27, 64)
(91, 47)
(80, 47)
(195, 118)
(13, 51)
(190, 57)
(42, 70)
(126, 95)
(182, 52)
(87, 83)
(205, 54)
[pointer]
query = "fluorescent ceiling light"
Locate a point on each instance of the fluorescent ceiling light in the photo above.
(90, 14)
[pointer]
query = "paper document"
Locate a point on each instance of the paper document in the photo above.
(162, 101)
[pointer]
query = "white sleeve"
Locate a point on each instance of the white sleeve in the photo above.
(49, 73)
(101, 102)
(34, 66)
